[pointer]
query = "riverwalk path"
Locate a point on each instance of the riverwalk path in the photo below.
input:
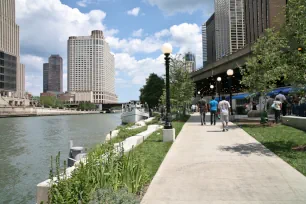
(208, 166)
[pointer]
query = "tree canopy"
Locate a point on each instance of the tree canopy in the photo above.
(181, 85)
(152, 90)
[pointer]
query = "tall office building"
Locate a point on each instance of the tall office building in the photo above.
(230, 27)
(55, 73)
(211, 39)
(91, 67)
(204, 44)
(12, 73)
(45, 77)
(190, 62)
(262, 14)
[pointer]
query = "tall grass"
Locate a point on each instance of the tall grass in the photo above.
(105, 168)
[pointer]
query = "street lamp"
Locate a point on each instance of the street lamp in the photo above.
(230, 73)
(219, 79)
(167, 49)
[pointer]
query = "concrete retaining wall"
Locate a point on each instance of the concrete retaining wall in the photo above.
(33, 111)
(294, 121)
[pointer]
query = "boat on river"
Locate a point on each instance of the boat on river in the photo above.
(133, 112)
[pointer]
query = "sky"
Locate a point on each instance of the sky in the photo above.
(134, 29)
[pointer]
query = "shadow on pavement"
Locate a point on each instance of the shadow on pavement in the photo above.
(214, 131)
(247, 149)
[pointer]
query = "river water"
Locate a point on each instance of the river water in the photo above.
(26, 145)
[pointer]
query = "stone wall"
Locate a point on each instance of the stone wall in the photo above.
(295, 121)
(33, 111)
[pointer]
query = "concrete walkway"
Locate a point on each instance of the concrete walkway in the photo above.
(207, 166)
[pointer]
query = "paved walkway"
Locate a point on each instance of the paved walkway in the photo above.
(207, 166)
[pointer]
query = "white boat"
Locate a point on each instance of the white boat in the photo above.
(133, 112)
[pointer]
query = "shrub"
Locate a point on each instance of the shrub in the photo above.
(109, 196)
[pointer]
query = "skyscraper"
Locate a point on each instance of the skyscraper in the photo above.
(190, 62)
(230, 27)
(91, 67)
(12, 73)
(45, 77)
(55, 73)
(204, 44)
(211, 39)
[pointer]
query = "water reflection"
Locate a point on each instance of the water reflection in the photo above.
(27, 144)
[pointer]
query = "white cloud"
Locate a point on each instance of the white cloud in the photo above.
(82, 3)
(186, 37)
(134, 11)
(138, 33)
(139, 70)
(171, 7)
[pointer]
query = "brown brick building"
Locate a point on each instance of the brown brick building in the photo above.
(262, 14)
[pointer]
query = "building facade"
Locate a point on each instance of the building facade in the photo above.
(45, 77)
(230, 27)
(55, 73)
(12, 73)
(91, 67)
(262, 14)
(190, 62)
(204, 44)
(211, 39)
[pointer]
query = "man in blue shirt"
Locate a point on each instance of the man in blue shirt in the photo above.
(213, 110)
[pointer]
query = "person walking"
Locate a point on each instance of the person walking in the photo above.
(277, 106)
(224, 107)
(282, 98)
(213, 110)
(203, 110)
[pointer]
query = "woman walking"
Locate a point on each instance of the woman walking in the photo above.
(277, 106)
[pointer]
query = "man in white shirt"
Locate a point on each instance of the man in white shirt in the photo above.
(224, 108)
(282, 98)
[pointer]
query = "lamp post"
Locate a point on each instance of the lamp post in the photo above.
(219, 79)
(212, 89)
(230, 73)
(168, 132)
(167, 49)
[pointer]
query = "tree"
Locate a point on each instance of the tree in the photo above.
(181, 85)
(295, 32)
(152, 90)
(86, 106)
(279, 56)
(265, 68)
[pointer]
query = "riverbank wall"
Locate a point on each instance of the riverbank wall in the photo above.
(36, 111)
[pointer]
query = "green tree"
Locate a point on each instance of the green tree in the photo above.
(48, 101)
(181, 85)
(295, 32)
(152, 90)
(265, 68)
(86, 106)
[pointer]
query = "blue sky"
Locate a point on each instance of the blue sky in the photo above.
(135, 30)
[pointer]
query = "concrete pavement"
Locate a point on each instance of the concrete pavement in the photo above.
(207, 166)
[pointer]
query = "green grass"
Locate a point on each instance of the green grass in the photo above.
(280, 139)
(125, 133)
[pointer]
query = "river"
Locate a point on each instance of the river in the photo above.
(26, 145)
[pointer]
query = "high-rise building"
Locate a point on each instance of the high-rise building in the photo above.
(91, 67)
(211, 40)
(190, 62)
(204, 44)
(55, 73)
(230, 27)
(45, 77)
(262, 14)
(12, 73)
